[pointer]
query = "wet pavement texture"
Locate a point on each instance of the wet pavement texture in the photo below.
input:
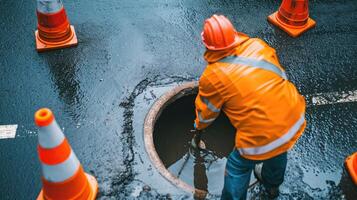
(128, 52)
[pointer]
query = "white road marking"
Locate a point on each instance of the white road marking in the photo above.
(333, 98)
(8, 131)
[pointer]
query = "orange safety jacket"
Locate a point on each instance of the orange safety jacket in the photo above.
(249, 85)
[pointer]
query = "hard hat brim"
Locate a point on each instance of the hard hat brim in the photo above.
(234, 43)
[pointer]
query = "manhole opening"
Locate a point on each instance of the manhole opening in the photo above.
(171, 131)
(167, 137)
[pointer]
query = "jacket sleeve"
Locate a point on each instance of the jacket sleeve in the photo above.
(208, 103)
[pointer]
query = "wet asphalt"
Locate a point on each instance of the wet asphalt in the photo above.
(128, 52)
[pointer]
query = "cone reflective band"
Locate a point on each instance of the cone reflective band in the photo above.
(293, 17)
(62, 174)
(54, 30)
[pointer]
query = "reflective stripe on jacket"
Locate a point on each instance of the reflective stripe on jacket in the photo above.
(248, 84)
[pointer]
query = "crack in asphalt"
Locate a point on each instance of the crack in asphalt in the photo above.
(127, 175)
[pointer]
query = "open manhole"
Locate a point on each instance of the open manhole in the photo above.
(167, 135)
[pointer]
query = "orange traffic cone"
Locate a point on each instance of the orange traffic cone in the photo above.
(351, 165)
(54, 30)
(292, 17)
(63, 176)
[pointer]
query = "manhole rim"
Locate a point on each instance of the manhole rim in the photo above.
(154, 113)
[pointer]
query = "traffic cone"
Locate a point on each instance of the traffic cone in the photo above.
(63, 176)
(351, 165)
(293, 17)
(54, 30)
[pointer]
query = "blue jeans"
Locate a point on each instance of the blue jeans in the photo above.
(239, 169)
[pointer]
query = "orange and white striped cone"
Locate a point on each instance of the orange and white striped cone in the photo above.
(293, 17)
(62, 174)
(54, 30)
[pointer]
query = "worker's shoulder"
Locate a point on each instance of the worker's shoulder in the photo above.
(258, 40)
(209, 70)
(212, 69)
(210, 73)
(258, 45)
(207, 82)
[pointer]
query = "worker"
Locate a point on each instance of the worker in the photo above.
(245, 80)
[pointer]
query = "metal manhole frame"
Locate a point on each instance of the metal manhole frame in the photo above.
(149, 125)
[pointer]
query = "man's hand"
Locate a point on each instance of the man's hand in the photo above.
(196, 141)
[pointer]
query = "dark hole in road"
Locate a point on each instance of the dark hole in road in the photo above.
(171, 136)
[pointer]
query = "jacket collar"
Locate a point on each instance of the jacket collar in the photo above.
(213, 56)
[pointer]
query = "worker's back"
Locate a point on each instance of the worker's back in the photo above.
(245, 80)
(265, 108)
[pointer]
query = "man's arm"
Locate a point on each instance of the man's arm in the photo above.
(208, 104)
